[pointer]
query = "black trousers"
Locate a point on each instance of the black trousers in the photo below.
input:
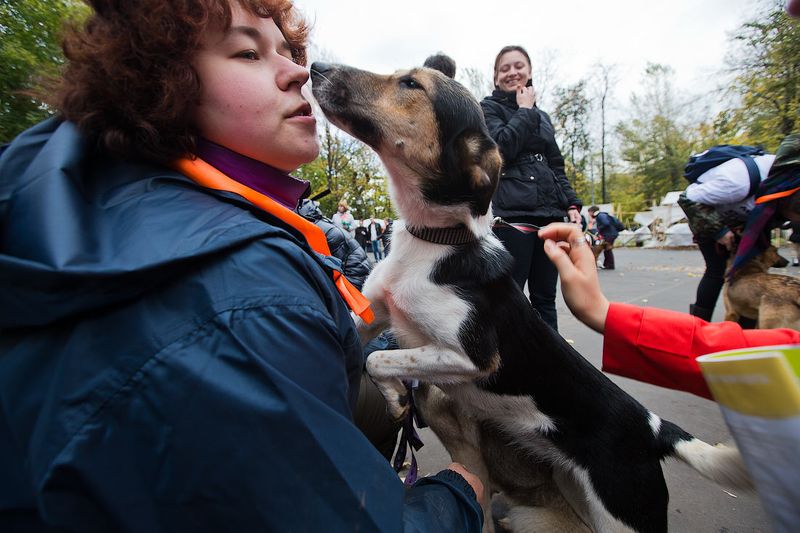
(532, 265)
(608, 253)
(716, 258)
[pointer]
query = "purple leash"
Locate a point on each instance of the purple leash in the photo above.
(408, 436)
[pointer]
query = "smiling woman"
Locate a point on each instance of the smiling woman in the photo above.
(177, 349)
(533, 189)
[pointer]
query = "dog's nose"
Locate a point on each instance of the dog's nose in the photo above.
(320, 68)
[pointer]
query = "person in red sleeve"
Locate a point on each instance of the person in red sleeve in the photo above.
(653, 345)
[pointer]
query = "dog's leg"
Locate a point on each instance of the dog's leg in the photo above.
(581, 496)
(374, 292)
(459, 434)
(730, 314)
(428, 363)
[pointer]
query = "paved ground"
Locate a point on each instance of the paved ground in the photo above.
(666, 279)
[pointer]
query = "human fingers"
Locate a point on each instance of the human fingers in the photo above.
(473, 480)
(561, 231)
(579, 252)
(558, 253)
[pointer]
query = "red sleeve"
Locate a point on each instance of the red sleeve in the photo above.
(659, 346)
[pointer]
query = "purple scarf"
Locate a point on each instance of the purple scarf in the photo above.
(278, 185)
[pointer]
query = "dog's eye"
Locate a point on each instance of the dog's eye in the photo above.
(410, 83)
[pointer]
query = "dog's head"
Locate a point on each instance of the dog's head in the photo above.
(427, 129)
(770, 258)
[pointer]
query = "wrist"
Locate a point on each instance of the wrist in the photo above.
(596, 319)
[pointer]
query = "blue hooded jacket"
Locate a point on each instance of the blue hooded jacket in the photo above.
(174, 359)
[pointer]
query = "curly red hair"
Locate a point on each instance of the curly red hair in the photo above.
(129, 79)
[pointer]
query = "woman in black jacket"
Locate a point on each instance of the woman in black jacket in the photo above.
(533, 186)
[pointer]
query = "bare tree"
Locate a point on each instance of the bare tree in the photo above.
(606, 79)
(544, 73)
(476, 80)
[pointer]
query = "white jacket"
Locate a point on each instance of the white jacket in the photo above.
(726, 187)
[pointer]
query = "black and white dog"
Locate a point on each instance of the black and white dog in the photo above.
(508, 397)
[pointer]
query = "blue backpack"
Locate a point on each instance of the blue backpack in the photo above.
(716, 155)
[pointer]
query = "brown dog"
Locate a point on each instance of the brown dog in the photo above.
(771, 299)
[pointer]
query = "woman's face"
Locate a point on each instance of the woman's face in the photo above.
(513, 70)
(250, 100)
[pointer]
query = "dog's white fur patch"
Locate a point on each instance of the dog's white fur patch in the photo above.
(655, 423)
(578, 490)
(721, 464)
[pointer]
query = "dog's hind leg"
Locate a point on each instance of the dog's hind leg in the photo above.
(459, 434)
(730, 314)
(544, 519)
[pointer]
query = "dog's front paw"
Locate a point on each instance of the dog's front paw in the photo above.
(398, 405)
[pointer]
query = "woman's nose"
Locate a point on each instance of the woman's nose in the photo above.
(293, 73)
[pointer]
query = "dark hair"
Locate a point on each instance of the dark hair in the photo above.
(443, 63)
(129, 82)
(594, 209)
(507, 49)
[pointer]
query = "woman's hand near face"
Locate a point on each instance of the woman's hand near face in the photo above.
(574, 216)
(567, 248)
(526, 97)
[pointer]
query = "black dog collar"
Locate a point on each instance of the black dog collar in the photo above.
(455, 235)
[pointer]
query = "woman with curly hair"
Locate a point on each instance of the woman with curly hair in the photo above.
(177, 353)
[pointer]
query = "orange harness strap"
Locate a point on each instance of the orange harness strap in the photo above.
(776, 195)
(204, 174)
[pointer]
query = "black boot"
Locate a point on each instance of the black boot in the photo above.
(701, 312)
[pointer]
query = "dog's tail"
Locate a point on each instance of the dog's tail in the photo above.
(721, 464)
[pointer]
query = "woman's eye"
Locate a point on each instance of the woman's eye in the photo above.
(248, 54)
(410, 83)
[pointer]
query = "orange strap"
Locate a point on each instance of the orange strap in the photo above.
(204, 174)
(776, 195)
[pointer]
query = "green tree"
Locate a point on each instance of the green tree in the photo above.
(766, 66)
(29, 53)
(347, 169)
(572, 114)
(653, 142)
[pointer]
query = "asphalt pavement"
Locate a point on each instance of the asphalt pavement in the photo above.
(664, 278)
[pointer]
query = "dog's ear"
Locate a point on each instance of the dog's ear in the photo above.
(481, 162)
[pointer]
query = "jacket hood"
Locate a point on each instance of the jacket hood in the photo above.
(81, 231)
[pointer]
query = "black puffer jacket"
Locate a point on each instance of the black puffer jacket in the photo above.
(355, 264)
(533, 183)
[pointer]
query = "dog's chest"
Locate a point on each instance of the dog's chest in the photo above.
(421, 310)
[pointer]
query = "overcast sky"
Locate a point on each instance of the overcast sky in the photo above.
(689, 35)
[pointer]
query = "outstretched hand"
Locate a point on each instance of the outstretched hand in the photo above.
(567, 248)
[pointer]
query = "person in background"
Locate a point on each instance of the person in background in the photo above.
(386, 237)
(374, 230)
(648, 344)
(361, 234)
(533, 187)
(176, 354)
(443, 63)
(608, 228)
(342, 218)
(717, 206)
(794, 238)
